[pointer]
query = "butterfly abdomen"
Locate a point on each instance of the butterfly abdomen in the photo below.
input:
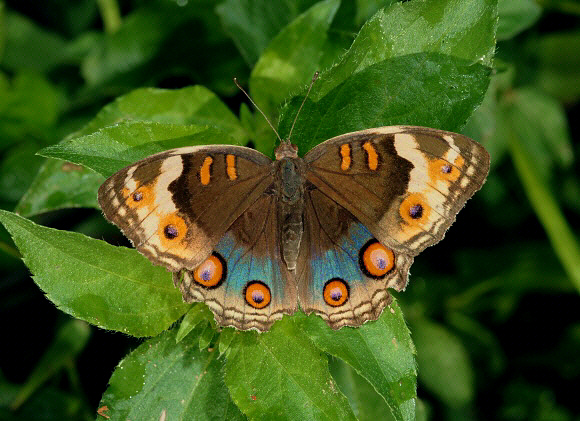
(290, 188)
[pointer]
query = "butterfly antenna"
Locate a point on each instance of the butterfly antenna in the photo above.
(257, 108)
(303, 101)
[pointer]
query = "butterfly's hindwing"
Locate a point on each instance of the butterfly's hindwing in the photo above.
(343, 272)
(256, 287)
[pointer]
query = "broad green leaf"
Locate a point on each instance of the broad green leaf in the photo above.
(292, 57)
(381, 351)
(119, 290)
(366, 403)
(365, 9)
(227, 335)
(60, 185)
(28, 46)
(281, 375)
(18, 169)
(206, 336)
(163, 379)
(29, 105)
(485, 124)
(197, 314)
(541, 121)
(557, 64)
(404, 90)
(136, 42)
(112, 148)
(253, 23)
(69, 341)
(516, 16)
(460, 28)
(444, 366)
(288, 63)
(191, 105)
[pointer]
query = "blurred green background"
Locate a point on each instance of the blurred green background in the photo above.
(496, 322)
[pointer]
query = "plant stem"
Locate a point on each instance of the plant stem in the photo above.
(561, 237)
(110, 14)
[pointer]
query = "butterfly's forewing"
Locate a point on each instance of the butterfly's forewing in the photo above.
(404, 183)
(377, 198)
(255, 288)
(175, 206)
(343, 272)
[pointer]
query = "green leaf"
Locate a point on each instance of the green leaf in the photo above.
(557, 64)
(253, 23)
(541, 121)
(381, 351)
(197, 314)
(29, 105)
(281, 375)
(459, 28)
(206, 336)
(292, 57)
(192, 105)
(226, 337)
(162, 379)
(137, 42)
(405, 90)
(112, 148)
(516, 16)
(485, 124)
(288, 64)
(366, 403)
(69, 341)
(119, 290)
(60, 185)
(28, 46)
(18, 169)
(444, 366)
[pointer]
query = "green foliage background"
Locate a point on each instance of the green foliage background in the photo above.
(489, 326)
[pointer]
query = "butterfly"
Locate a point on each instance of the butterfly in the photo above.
(328, 233)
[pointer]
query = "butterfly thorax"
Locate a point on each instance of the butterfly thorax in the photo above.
(290, 190)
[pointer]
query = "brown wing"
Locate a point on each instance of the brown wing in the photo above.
(343, 272)
(176, 205)
(405, 183)
(244, 282)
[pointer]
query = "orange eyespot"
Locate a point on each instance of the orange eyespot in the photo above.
(376, 260)
(335, 292)
(257, 294)
(172, 229)
(414, 209)
(212, 272)
(139, 198)
(440, 169)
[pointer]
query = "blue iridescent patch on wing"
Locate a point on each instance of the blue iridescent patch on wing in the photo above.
(341, 261)
(243, 266)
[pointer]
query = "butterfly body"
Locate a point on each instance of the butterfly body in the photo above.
(329, 233)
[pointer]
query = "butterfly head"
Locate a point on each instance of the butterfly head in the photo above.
(286, 150)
